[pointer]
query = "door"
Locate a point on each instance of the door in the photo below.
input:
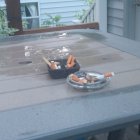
(137, 21)
(132, 19)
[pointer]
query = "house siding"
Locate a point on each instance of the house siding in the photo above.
(67, 9)
(115, 17)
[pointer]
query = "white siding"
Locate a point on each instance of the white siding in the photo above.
(115, 16)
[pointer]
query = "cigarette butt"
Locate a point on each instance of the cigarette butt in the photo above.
(73, 59)
(47, 61)
(75, 78)
(72, 62)
(69, 59)
(53, 66)
(70, 65)
(109, 74)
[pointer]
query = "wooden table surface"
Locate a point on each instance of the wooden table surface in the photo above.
(34, 106)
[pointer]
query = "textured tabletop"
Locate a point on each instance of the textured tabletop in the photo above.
(32, 105)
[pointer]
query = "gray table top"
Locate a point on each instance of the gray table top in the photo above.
(34, 106)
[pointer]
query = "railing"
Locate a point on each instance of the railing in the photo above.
(89, 16)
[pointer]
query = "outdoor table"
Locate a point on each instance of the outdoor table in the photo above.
(33, 106)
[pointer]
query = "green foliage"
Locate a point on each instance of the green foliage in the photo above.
(52, 20)
(80, 14)
(25, 24)
(4, 29)
(89, 2)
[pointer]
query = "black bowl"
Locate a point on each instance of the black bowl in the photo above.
(64, 71)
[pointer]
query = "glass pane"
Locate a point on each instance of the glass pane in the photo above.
(30, 16)
(52, 13)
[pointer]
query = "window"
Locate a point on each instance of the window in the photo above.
(30, 15)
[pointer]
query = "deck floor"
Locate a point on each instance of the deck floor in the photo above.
(131, 134)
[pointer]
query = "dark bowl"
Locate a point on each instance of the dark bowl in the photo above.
(63, 72)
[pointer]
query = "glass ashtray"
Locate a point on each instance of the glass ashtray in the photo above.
(98, 84)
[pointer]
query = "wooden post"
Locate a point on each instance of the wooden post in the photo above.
(101, 14)
(14, 15)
